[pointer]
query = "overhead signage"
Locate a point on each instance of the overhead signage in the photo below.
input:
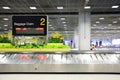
(29, 25)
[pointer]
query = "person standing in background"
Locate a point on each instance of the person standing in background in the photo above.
(96, 43)
(100, 43)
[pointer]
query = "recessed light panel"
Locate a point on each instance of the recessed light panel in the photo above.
(6, 7)
(33, 8)
(5, 19)
(114, 21)
(115, 6)
(87, 7)
(101, 18)
(5, 25)
(60, 7)
(65, 25)
(50, 25)
(63, 22)
(62, 18)
(97, 22)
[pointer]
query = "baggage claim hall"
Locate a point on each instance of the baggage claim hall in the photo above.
(60, 36)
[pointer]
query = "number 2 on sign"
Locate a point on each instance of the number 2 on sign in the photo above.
(42, 21)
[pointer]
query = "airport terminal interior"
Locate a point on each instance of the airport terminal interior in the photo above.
(68, 36)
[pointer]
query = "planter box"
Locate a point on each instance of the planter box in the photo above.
(5, 44)
(33, 50)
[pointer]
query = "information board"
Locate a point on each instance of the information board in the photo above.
(29, 25)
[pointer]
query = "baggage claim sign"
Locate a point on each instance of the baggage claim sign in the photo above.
(29, 25)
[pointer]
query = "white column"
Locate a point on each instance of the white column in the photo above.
(76, 38)
(84, 30)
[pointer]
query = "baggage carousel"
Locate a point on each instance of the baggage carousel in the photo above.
(79, 61)
(59, 58)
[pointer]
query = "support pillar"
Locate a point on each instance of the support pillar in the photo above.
(84, 30)
(76, 38)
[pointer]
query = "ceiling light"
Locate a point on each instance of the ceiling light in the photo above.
(97, 31)
(94, 25)
(97, 22)
(116, 6)
(60, 7)
(65, 25)
(87, 7)
(5, 29)
(109, 24)
(114, 21)
(50, 25)
(118, 31)
(5, 7)
(102, 28)
(5, 19)
(33, 8)
(63, 22)
(5, 25)
(105, 27)
(101, 18)
(62, 18)
(53, 29)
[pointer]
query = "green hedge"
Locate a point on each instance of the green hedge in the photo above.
(55, 40)
(49, 46)
(4, 40)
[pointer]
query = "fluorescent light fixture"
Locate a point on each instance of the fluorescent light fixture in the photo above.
(101, 18)
(6, 7)
(63, 22)
(33, 8)
(118, 31)
(50, 25)
(94, 25)
(5, 25)
(65, 25)
(105, 27)
(97, 31)
(115, 6)
(97, 22)
(87, 7)
(114, 21)
(53, 29)
(60, 7)
(62, 18)
(5, 29)
(109, 24)
(5, 19)
(66, 32)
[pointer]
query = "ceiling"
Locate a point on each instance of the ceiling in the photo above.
(107, 27)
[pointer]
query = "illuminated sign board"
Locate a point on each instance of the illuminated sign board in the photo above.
(29, 25)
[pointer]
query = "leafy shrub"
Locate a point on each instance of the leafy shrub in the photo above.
(4, 40)
(49, 46)
(54, 40)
